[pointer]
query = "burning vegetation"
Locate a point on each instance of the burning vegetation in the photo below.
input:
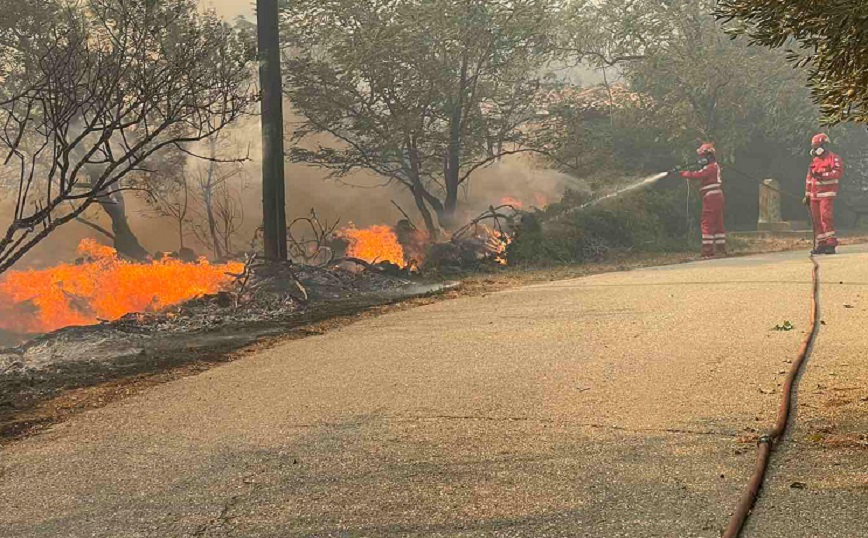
(374, 245)
(405, 248)
(102, 287)
(259, 300)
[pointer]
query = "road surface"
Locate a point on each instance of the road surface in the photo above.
(617, 405)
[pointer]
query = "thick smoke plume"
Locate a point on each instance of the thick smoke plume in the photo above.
(360, 199)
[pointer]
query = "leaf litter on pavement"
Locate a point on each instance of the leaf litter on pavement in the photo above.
(784, 327)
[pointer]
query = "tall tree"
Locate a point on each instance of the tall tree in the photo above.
(273, 181)
(829, 37)
(696, 82)
(684, 79)
(201, 192)
(95, 90)
(422, 92)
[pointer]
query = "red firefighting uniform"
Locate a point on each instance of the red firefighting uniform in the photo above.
(713, 202)
(821, 188)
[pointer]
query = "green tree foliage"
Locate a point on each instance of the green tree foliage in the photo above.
(422, 92)
(680, 77)
(830, 37)
(690, 79)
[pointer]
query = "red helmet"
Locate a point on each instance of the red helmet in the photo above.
(820, 139)
(706, 149)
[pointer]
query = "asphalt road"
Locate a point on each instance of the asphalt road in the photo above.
(617, 405)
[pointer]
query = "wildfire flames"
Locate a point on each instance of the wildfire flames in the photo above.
(104, 287)
(539, 200)
(496, 242)
(374, 244)
(509, 200)
(407, 248)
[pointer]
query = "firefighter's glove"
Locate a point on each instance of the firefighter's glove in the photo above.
(806, 201)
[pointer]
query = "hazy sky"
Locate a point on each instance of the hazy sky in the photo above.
(232, 8)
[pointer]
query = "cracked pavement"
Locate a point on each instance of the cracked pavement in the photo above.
(617, 405)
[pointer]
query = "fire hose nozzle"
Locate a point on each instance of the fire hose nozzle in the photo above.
(683, 167)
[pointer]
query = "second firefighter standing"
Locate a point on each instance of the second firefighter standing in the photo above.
(713, 202)
(821, 190)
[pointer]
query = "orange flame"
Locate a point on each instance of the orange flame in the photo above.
(509, 200)
(496, 243)
(415, 244)
(374, 244)
(539, 200)
(104, 287)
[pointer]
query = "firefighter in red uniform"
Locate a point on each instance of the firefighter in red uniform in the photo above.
(713, 202)
(821, 189)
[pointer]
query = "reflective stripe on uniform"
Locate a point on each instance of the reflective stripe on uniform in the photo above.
(826, 194)
(718, 191)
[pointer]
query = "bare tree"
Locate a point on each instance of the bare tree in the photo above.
(219, 187)
(171, 199)
(99, 89)
(201, 194)
(228, 216)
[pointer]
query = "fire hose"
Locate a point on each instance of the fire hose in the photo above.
(768, 442)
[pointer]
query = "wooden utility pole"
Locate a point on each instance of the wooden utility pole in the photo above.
(273, 188)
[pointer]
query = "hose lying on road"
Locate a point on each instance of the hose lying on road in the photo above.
(769, 441)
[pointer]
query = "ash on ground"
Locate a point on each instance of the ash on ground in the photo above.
(266, 301)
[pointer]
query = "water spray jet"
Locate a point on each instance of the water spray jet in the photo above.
(643, 183)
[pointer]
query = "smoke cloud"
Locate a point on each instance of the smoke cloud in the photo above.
(361, 199)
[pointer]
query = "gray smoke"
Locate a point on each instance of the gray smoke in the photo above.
(360, 199)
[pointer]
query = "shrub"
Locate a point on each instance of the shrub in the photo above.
(649, 220)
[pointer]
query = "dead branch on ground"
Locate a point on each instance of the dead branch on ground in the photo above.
(242, 280)
(312, 247)
(494, 214)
